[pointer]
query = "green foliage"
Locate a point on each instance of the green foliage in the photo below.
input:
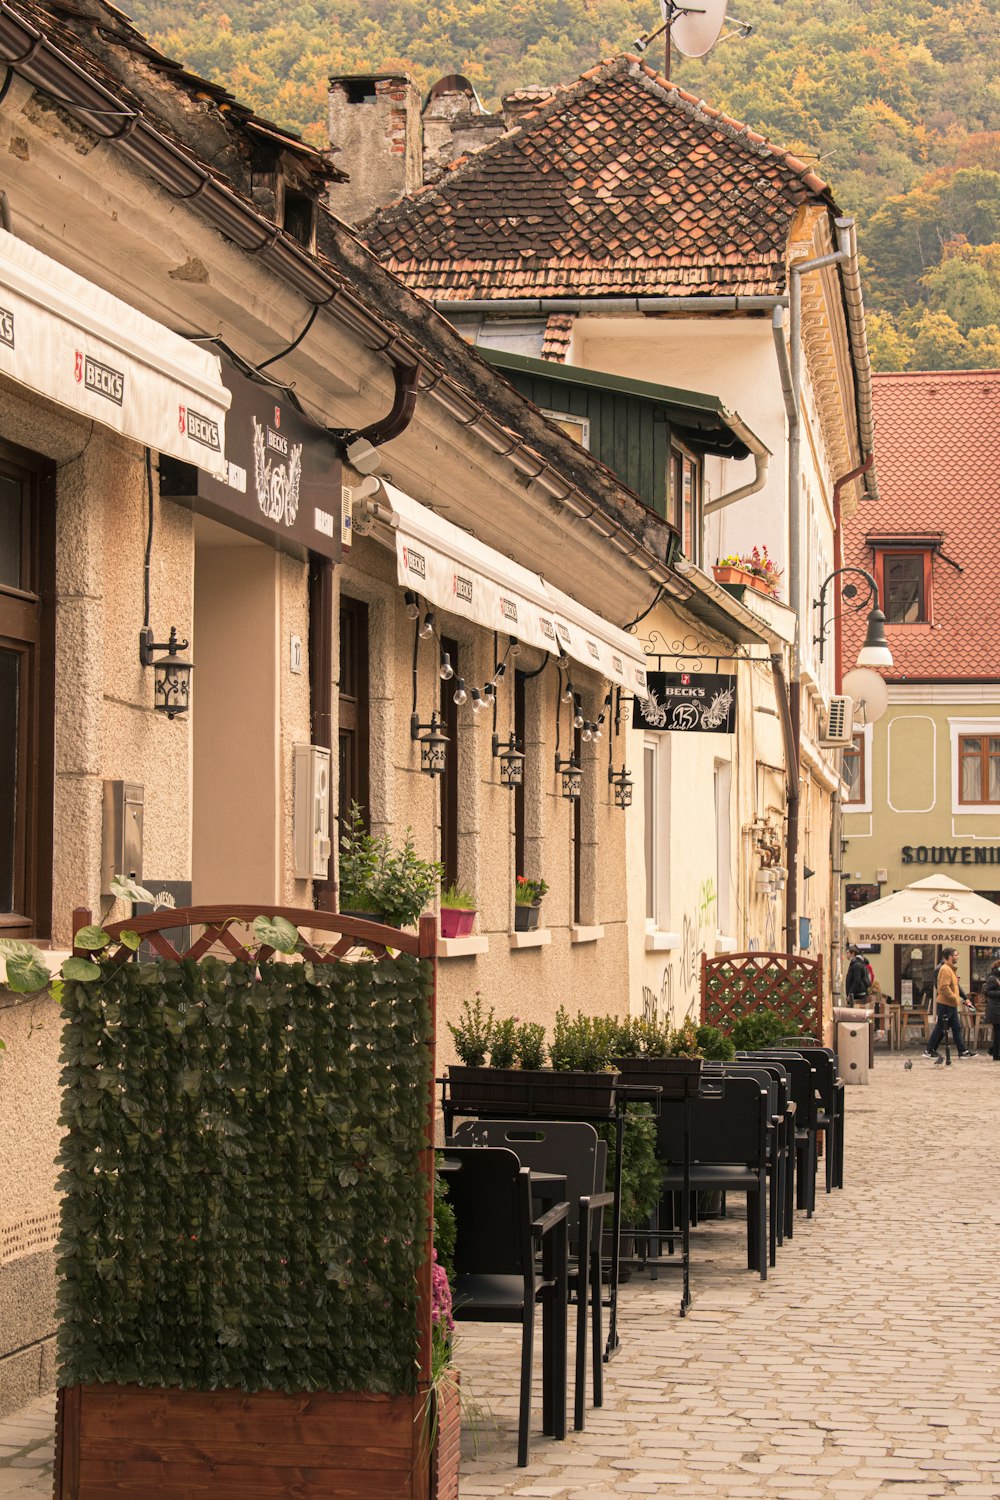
(458, 898)
(473, 1036)
(445, 1229)
(277, 933)
(584, 1043)
(761, 1027)
(714, 1045)
(529, 892)
(377, 876)
(25, 971)
(531, 1045)
(640, 1168)
(243, 1205)
(504, 1043)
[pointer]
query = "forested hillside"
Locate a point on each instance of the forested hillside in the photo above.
(897, 100)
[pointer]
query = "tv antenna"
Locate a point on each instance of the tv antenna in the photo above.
(692, 29)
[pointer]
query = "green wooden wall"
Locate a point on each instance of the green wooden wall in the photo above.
(628, 434)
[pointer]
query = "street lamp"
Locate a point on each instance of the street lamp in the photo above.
(875, 651)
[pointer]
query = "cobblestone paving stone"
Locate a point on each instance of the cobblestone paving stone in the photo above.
(867, 1365)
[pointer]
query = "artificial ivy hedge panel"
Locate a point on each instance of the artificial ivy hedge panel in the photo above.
(244, 1206)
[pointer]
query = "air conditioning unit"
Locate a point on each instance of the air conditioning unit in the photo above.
(839, 723)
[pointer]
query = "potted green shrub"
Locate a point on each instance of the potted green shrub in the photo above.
(458, 911)
(580, 1084)
(381, 881)
(527, 902)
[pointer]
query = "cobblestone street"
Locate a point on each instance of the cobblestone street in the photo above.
(868, 1362)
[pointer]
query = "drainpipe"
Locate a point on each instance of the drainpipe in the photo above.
(762, 458)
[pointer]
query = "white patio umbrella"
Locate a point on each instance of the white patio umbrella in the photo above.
(935, 910)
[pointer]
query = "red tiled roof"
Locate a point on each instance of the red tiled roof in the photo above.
(937, 444)
(558, 333)
(619, 183)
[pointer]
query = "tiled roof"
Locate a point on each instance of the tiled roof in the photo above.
(558, 332)
(619, 183)
(937, 444)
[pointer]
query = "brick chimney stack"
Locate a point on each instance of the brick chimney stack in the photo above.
(374, 126)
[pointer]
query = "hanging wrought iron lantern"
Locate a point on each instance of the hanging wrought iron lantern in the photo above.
(433, 745)
(171, 672)
(622, 783)
(511, 762)
(572, 778)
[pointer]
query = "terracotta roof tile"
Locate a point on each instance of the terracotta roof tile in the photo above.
(937, 444)
(621, 182)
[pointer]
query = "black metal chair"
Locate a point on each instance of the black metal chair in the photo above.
(497, 1279)
(830, 1115)
(802, 1079)
(571, 1149)
(777, 1150)
(728, 1152)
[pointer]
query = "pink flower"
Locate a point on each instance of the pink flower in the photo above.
(440, 1297)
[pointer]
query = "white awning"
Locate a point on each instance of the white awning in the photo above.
(456, 572)
(71, 341)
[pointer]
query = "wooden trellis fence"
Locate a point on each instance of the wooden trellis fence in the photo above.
(735, 985)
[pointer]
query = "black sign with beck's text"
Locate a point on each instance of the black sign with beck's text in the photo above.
(689, 702)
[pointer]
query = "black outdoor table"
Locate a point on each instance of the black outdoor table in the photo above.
(623, 1094)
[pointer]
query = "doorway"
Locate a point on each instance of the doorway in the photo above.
(236, 794)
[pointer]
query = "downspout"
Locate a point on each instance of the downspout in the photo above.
(762, 458)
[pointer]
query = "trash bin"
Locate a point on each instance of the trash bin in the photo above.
(853, 1044)
(861, 1014)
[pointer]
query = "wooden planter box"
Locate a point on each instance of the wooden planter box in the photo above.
(676, 1077)
(730, 576)
(541, 1093)
(235, 1445)
(447, 1457)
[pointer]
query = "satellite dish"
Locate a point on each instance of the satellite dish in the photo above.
(869, 692)
(694, 29)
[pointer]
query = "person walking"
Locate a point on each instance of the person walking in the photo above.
(949, 997)
(856, 984)
(991, 994)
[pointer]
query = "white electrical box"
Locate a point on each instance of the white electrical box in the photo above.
(311, 811)
(839, 722)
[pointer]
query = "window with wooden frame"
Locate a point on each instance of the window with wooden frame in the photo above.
(27, 691)
(684, 510)
(353, 784)
(904, 579)
(979, 770)
(853, 770)
(448, 780)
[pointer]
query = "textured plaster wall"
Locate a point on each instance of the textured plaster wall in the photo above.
(530, 983)
(29, 1071)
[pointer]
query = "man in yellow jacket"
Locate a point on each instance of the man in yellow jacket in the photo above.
(949, 998)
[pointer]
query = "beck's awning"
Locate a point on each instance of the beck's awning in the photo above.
(456, 572)
(69, 340)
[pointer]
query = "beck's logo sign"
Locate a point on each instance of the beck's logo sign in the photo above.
(199, 429)
(414, 562)
(103, 380)
(463, 588)
(6, 327)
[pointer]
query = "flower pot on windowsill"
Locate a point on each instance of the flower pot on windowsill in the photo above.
(729, 575)
(526, 918)
(761, 585)
(457, 921)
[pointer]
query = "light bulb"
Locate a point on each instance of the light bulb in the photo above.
(477, 701)
(515, 646)
(489, 692)
(446, 671)
(412, 607)
(597, 732)
(459, 696)
(587, 734)
(578, 720)
(567, 696)
(427, 628)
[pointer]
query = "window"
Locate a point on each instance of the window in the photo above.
(979, 769)
(723, 846)
(449, 777)
(353, 741)
(685, 500)
(578, 428)
(854, 770)
(905, 586)
(27, 692)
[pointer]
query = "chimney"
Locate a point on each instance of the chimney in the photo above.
(454, 123)
(374, 126)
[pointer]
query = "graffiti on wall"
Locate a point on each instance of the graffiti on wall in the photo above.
(679, 993)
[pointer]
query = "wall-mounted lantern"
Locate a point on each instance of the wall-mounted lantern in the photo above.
(572, 778)
(511, 762)
(622, 783)
(433, 744)
(171, 672)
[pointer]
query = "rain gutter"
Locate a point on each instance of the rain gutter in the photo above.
(536, 306)
(761, 457)
(38, 60)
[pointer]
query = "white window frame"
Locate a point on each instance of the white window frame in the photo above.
(957, 728)
(865, 805)
(723, 788)
(571, 417)
(658, 937)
